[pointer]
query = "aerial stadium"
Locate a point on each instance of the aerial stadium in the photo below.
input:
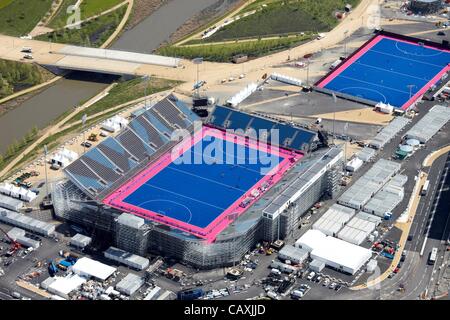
(203, 192)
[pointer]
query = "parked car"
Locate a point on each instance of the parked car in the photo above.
(311, 275)
(403, 257)
(332, 285)
(326, 282)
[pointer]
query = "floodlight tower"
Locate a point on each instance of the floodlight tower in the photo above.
(410, 87)
(198, 61)
(345, 43)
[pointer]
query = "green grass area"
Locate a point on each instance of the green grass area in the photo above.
(16, 76)
(126, 91)
(91, 8)
(88, 9)
(283, 17)
(225, 52)
(4, 3)
(19, 17)
(92, 33)
(18, 146)
(60, 19)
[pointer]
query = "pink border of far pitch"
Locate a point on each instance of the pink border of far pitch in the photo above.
(369, 46)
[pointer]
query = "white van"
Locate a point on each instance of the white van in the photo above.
(275, 272)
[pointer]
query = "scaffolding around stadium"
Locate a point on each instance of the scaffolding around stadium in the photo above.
(97, 174)
(319, 172)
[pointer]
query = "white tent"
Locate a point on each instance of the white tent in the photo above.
(114, 124)
(385, 108)
(92, 268)
(27, 195)
(69, 154)
(353, 165)
(15, 192)
(286, 79)
(5, 188)
(334, 252)
(309, 239)
(60, 160)
(63, 286)
(242, 95)
(64, 157)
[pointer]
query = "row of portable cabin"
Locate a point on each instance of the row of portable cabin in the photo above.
(370, 183)
(389, 132)
(129, 259)
(10, 203)
(341, 222)
(27, 223)
(430, 124)
(19, 235)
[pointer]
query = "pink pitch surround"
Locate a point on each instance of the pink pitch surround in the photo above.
(209, 233)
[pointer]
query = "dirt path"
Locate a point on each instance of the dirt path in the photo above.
(98, 15)
(238, 41)
(221, 21)
(41, 27)
(121, 24)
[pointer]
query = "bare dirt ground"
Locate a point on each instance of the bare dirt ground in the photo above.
(204, 17)
(142, 9)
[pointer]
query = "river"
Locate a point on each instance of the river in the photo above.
(46, 106)
(157, 28)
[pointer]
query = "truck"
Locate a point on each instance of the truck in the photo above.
(335, 64)
(296, 294)
(424, 190)
(190, 294)
(432, 256)
(52, 269)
